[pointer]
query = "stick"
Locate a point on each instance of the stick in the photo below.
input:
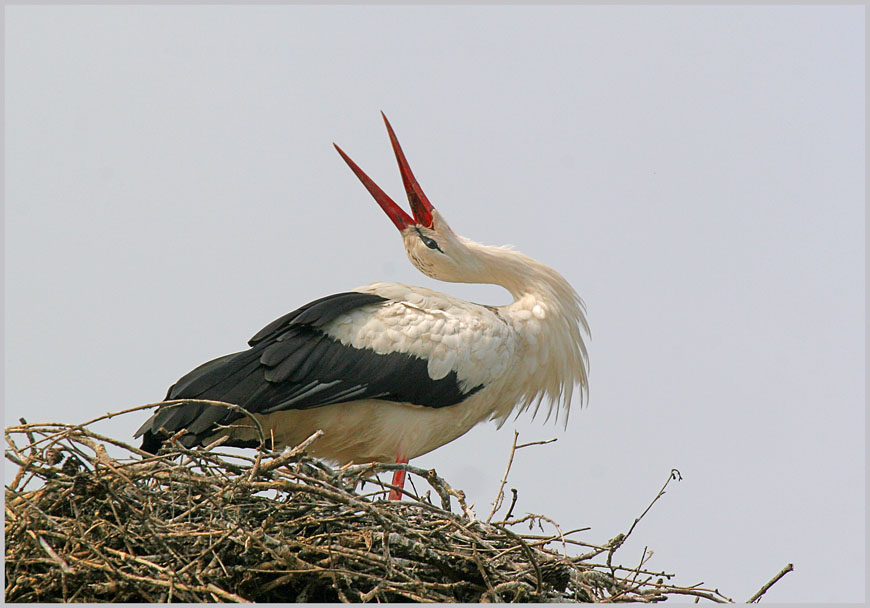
(788, 568)
(499, 499)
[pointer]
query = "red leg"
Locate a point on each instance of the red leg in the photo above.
(398, 480)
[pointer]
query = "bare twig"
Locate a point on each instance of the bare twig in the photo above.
(496, 504)
(788, 568)
(499, 499)
(620, 539)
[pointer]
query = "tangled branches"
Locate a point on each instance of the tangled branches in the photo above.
(208, 525)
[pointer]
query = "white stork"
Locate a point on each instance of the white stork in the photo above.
(387, 371)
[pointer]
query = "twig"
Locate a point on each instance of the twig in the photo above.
(513, 503)
(289, 454)
(788, 568)
(621, 538)
(499, 499)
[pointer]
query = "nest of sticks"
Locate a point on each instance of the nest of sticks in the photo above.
(210, 525)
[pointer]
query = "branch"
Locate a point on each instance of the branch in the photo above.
(769, 584)
(499, 499)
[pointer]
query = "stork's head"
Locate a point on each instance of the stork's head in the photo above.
(430, 243)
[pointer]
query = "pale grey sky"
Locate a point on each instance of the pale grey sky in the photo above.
(697, 173)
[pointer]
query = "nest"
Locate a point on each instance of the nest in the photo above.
(210, 525)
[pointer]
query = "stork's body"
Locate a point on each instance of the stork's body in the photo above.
(391, 372)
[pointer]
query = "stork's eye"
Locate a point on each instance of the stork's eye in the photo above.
(430, 243)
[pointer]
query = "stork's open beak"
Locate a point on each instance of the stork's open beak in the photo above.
(420, 205)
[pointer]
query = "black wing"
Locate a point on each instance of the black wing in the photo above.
(294, 364)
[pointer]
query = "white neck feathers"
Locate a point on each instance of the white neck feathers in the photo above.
(549, 317)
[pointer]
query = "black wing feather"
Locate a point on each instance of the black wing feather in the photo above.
(292, 359)
(317, 354)
(318, 313)
(293, 364)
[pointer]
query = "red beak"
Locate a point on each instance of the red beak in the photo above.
(420, 205)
